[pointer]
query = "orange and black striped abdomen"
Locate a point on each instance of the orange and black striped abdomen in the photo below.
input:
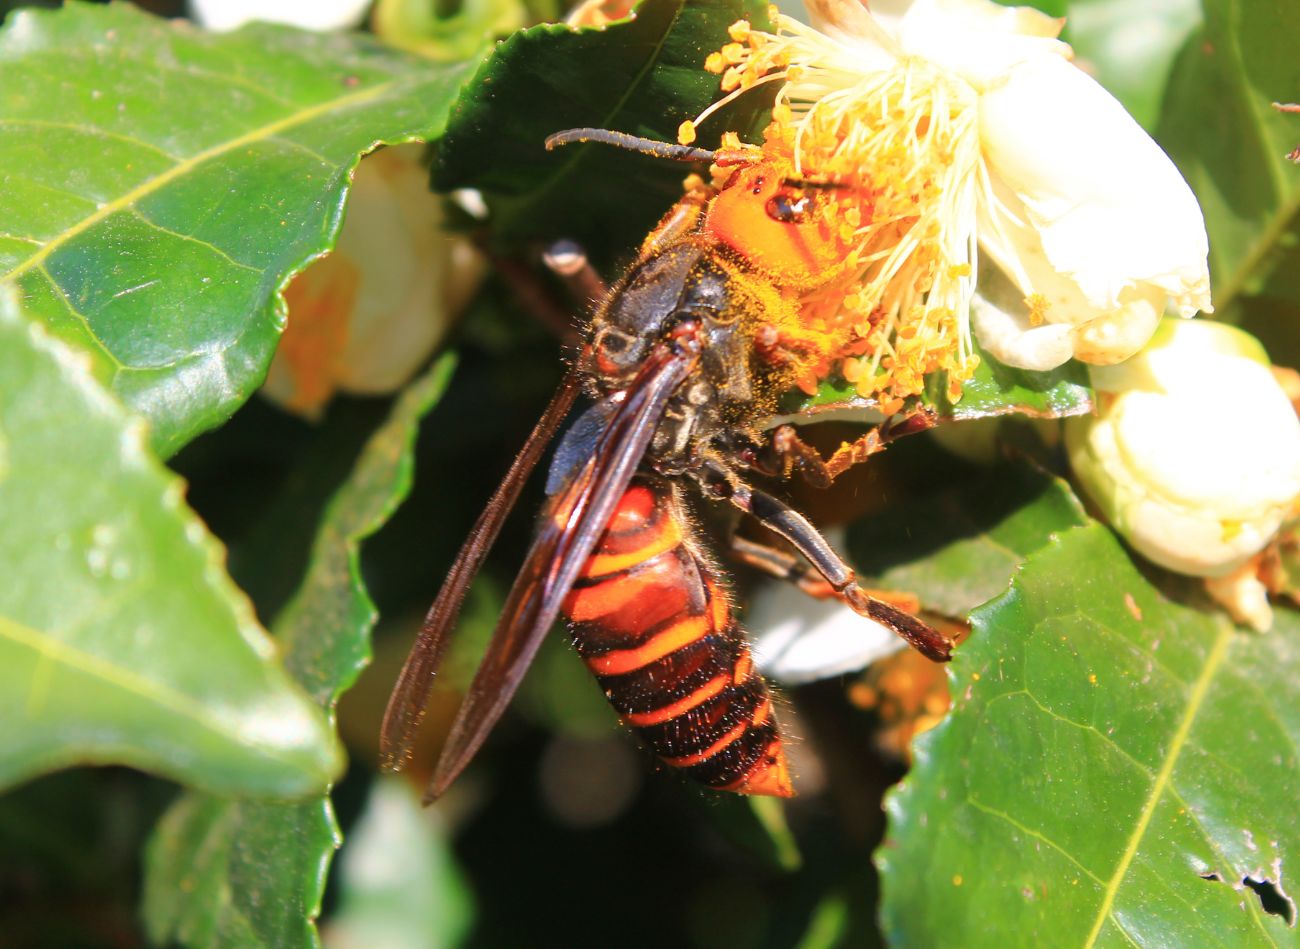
(650, 620)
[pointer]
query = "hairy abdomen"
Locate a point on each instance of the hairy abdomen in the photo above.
(651, 621)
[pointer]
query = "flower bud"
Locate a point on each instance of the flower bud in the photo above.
(365, 317)
(1194, 455)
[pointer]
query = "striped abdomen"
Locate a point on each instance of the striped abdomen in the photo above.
(650, 620)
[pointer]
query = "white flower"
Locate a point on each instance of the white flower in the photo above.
(365, 317)
(799, 639)
(1194, 455)
(308, 14)
(969, 117)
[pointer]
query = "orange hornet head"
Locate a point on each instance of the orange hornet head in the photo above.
(791, 230)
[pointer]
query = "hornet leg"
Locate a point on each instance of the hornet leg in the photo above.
(786, 566)
(787, 452)
(780, 518)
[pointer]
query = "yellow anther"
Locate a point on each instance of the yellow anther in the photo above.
(1038, 306)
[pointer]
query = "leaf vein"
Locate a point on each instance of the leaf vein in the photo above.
(305, 149)
(80, 317)
(1037, 835)
(43, 644)
(164, 178)
(1212, 662)
(91, 130)
(191, 239)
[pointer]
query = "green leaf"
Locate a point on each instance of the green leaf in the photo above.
(122, 639)
(993, 389)
(237, 872)
(1115, 765)
(642, 75)
(161, 186)
(1130, 48)
(996, 389)
(399, 886)
(958, 546)
(1220, 127)
(756, 826)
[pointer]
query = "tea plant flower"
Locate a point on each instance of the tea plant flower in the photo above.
(986, 149)
(364, 318)
(1197, 480)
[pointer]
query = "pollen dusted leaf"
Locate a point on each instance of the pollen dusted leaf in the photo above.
(122, 639)
(1109, 749)
(161, 186)
(226, 871)
(1220, 127)
(642, 75)
(993, 389)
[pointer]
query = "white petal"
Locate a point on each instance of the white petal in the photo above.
(1105, 333)
(1009, 338)
(1111, 209)
(1119, 333)
(1195, 482)
(982, 16)
(847, 21)
(308, 14)
(1207, 452)
(799, 639)
(978, 40)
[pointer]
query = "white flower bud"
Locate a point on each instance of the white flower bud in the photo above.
(365, 317)
(1194, 455)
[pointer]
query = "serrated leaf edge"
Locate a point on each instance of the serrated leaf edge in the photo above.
(72, 367)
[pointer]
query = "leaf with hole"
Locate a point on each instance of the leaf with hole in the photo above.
(1110, 747)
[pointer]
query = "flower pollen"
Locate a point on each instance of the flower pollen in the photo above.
(900, 148)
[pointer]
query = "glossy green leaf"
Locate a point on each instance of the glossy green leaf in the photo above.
(161, 185)
(122, 640)
(247, 873)
(1115, 765)
(1130, 48)
(399, 886)
(958, 546)
(1219, 125)
(642, 75)
(993, 389)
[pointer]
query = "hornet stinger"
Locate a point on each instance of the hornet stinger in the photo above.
(684, 361)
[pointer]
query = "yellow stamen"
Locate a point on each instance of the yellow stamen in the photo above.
(1038, 306)
(902, 144)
